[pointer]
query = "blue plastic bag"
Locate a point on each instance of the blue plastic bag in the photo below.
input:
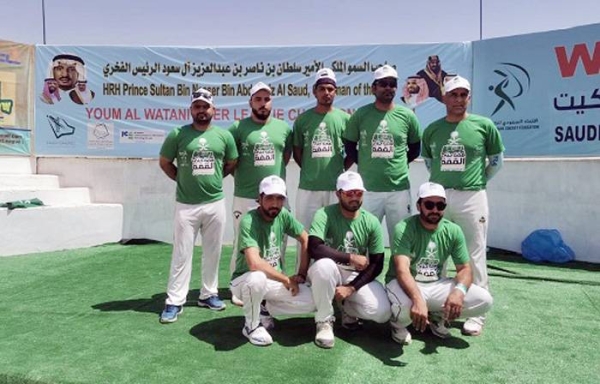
(546, 245)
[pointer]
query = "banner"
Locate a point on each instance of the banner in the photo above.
(542, 90)
(122, 101)
(15, 83)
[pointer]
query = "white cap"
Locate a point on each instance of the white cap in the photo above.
(204, 95)
(272, 185)
(259, 87)
(456, 82)
(385, 71)
(325, 76)
(431, 189)
(349, 181)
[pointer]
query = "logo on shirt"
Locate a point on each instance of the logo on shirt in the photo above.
(382, 143)
(321, 145)
(273, 251)
(453, 156)
(427, 267)
(264, 151)
(203, 159)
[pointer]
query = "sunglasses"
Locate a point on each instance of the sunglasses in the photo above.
(388, 83)
(430, 204)
(203, 94)
(354, 192)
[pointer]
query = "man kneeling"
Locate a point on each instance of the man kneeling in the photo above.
(417, 292)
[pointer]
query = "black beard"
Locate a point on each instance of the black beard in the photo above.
(351, 208)
(261, 115)
(273, 212)
(431, 218)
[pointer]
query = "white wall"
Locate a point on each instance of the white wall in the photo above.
(525, 195)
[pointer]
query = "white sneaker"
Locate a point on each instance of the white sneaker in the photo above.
(258, 336)
(266, 320)
(473, 326)
(439, 329)
(400, 334)
(325, 337)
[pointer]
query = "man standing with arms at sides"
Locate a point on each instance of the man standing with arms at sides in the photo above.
(318, 149)
(258, 274)
(265, 147)
(347, 244)
(416, 289)
(205, 154)
(455, 150)
(387, 138)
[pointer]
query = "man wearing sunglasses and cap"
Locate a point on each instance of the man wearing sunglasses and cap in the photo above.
(318, 148)
(346, 243)
(462, 152)
(265, 147)
(416, 289)
(258, 275)
(383, 138)
(197, 156)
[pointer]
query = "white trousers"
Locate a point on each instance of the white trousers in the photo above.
(469, 209)
(476, 303)
(254, 287)
(370, 302)
(395, 206)
(209, 219)
(307, 203)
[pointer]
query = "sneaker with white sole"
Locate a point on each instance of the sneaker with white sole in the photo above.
(324, 337)
(400, 334)
(473, 326)
(350, 323)
(258, 336)
(170, 313)
(212, 302)
(439, 329)
(266, 320)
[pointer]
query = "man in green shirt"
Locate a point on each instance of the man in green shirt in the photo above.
(318, 149)
(462, 152)
(265, 147)
(346, 243)
(258, 274)
(418, 292)
(383, 138)
(204, 154)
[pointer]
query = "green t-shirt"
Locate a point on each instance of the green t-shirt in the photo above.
(320, 137)
(200, 156)
(261, 149)
(428, 250)
(458, 151)
(267, 236)
(362, 235)
(383, 138)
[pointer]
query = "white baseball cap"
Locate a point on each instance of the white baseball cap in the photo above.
(456, 82)
(325, 76)
(385, 71)
(259, 87)
(349, 181)
(272, 185)
(204, 95)
(431, 189)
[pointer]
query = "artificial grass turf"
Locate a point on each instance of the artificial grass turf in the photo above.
(91, 316)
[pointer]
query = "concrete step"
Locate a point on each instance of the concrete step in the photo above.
(8, 181)
(53, 196)
(17, 164)
(54, 228)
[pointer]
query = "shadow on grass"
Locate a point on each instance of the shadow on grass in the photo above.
(432, 342)
(154, 304)
(224, 333)
(374, 339)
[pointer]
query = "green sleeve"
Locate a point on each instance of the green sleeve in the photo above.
(376, 237)
(169, 147)
(425, 145)
(414, 128)
(493, 144)
(298, 138)
(231, 152)
(288, 138)
(245, 238)
(352, 127)
(318, 227)
(403, 237)
(293, 227)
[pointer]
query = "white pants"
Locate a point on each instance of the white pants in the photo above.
(469, 209)
(209, 219)
(370, 302)
(476, 303)
(307, 203)
(254, 287)
(395, 206)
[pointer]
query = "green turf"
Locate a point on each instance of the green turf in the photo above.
(91, 316)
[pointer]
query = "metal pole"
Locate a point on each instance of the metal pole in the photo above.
(480, 19)
(44, 20)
